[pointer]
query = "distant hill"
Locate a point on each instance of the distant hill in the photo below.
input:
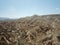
(3, 18)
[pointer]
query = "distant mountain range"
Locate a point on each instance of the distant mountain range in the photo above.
(4, 18)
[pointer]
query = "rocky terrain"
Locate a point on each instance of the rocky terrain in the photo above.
(34, 30)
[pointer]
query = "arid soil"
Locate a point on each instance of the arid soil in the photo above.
(34, 30)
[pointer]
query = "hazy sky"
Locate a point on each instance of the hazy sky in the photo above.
(22, 8)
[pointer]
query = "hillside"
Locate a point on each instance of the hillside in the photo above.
(34, 30)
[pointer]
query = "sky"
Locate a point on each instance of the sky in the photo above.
(23, 8)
